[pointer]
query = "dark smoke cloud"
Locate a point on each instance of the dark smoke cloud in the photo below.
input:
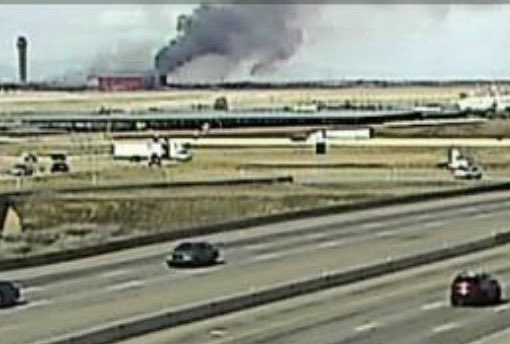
(254, 36)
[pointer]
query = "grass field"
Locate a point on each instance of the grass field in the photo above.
(346, 174)
(56, 221)
(340, 162)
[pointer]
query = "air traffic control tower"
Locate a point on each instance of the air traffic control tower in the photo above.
(22, 45)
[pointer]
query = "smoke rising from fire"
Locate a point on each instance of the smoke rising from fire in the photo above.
(224, 38)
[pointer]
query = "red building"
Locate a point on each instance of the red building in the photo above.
(112, 83)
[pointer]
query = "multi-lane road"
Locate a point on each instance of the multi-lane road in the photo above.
(80, 295)
(406, 307)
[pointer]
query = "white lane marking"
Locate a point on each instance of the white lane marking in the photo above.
(433, 305)
(267, 256)
(217, 332)
(370, 225)
(386, 233)
(37, 303)
(31, 290)
(433, 224)
(202, 271)
(424, 216)
(28, 305)
(256, 246)
(492, 337)
(502, 308)
(329, 244)
(10, 327)
(125, 285)
(273, 244)
(446, 327)
(317, 235)
(115, 273)
(366, 327)
(482, 215)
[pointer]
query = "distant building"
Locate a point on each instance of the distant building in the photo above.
(112, 83)
(122, 82)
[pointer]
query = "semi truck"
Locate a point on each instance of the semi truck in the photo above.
(152, 150)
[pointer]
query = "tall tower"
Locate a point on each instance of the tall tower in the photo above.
(22, 45)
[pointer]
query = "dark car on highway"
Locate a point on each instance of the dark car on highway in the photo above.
(194, 254)
(9, 294)
(470, 288)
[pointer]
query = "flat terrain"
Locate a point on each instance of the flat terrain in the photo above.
(350, 172)
(21, 102)
(82, 294)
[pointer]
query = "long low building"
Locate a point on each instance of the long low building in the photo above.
(211, 119)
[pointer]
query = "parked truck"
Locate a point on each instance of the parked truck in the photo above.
(153, 150)
(462, 166)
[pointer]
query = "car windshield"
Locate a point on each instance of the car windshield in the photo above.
(184, 246)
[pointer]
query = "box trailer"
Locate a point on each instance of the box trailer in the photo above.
(156, 149)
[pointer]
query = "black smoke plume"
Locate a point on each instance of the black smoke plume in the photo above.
(256, 37)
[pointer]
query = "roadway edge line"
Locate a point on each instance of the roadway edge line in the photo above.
(146, 240)
(138, 326)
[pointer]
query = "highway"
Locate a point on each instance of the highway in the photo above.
(80, 295)
(406, 307)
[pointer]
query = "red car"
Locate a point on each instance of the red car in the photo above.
(475, 289)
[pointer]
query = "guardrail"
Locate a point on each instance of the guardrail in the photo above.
(132, 242)
(142, 325)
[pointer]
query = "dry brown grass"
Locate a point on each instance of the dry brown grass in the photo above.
(72, 220)
(489, 129)
(238, 99)
(373, 163)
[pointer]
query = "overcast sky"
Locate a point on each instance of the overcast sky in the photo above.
(340, 41)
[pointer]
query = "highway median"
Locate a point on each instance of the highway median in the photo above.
(133, 327)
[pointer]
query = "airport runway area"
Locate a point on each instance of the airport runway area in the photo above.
(80, 295)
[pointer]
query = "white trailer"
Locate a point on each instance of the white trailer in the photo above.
(138, 151)
(155, 149)
(340, 134)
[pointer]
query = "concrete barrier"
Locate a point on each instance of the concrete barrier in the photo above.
(132, 242)
(142, 325)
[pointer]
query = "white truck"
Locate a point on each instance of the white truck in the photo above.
(177, 151)
(470, 172)
(152, 150)
(458, 161)
(463, 167)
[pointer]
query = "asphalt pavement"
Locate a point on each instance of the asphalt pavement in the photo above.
(83, 294)
(405, 307)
